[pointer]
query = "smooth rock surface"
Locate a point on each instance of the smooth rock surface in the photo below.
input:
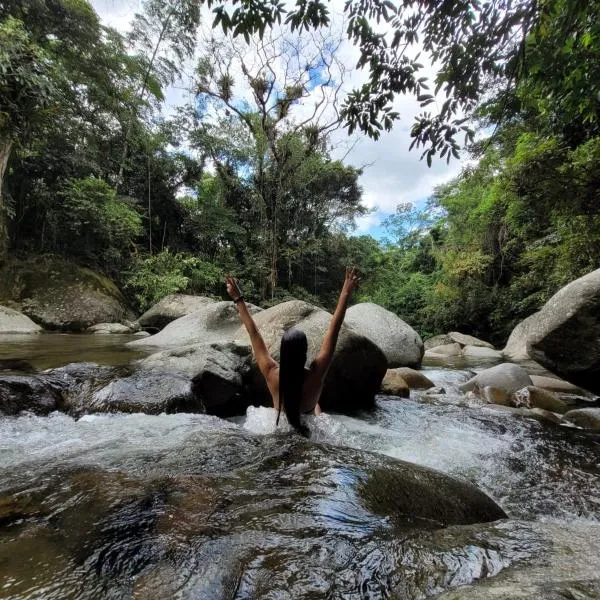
(507, 376)
(170, 308)
(213, 322)
(516, 346)
(564, 336)
(12, 321)
(393, 384)
(586, 418)
(61, 295)
(452, 349)
(544, 399)
(107, 328)
(150, 393)
(481, 352)
(553, 384)
(416, 380)
(358, 365)
(495, 395)
(437, 340)
(468, 340)
(400, 343)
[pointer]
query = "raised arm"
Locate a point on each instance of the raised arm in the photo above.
(325, 356)
(265, 362)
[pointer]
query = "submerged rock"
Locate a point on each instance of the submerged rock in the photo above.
(59, 294)
(170, 308)
(507, 376)
(358, 365)
(12, 321)
(106, 328)
(212, 322)
(400, 343)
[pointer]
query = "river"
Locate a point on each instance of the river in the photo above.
(195, 507)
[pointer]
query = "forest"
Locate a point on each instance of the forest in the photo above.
(242, 178)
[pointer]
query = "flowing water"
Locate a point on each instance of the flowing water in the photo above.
(195, 507)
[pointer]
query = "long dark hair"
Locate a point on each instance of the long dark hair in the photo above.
(292, 358)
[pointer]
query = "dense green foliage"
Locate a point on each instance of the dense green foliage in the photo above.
(244, 182)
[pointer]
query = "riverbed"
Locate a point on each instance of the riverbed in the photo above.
(193, 506)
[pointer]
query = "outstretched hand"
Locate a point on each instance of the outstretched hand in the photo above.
(232, 287)
(352, 280)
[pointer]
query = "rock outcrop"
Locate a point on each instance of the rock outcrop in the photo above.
(12, 321)
(400, 343)
(60, 295)
(358, 365)
(170, 308)
(564, 336)
(213, 322)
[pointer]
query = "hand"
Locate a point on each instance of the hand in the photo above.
(351, 281)
(232, 287)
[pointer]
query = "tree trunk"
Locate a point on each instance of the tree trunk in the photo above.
(5, 149)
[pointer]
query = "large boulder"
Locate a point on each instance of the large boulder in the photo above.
(586, 418)
(170, 308)
(400, 343)
(516, 346)
(61, 295)
(12, 321)
(506, 376)
(468, 340)
(437, 340)
(453, 349)
(212, 322)
(358, 365)
(218, 372)
(564, 336)
(30, 393)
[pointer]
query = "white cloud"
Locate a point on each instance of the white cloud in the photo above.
(392, 174)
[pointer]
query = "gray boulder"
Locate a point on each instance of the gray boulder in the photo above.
(468, 340)
(438, 340)
(586, 418)
(107, 328)
(61, 295)
(452, 349)
(564, 336)
(400, 343)
(358, 365)
(506, 376)
(150, 393)
(218, 373)
(12, 321)
(170, 308)
(20, 393)
(213, 322)
(481, 352)
(516, 346)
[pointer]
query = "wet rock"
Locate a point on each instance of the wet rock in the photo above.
(481, 352)
(495, 395)
(416, 380)
(106, 328)
(59, 294)
(16, 364)
(553, 384)
(438, 340)
(586, 418)
(218, 372)
(151, 393)
(400, 343)
(564, 336)
(540, 398)
(20, 393)
(435, 391)
(542, 415)
(358, 365)
(452, 349)
(12, 321)
(507, 376)
(212, 322)
(170, 308)
(141, 334)
(393, 384)
(422, 497)
(468, 340)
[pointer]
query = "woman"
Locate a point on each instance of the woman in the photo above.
(291, 385)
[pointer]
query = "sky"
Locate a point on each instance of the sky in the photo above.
(391, 173)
